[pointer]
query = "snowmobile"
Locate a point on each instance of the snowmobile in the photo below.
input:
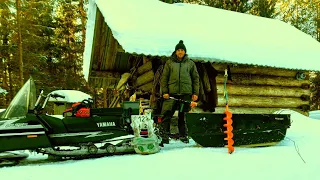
(82, 131)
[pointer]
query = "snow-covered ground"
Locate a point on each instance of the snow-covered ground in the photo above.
(180, 161)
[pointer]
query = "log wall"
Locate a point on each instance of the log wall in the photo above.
(257, 89)
(253, 89)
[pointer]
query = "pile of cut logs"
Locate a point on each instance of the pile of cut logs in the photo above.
(143, 79)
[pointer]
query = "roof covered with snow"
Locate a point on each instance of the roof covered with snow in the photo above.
(151, 27)
(70, 96)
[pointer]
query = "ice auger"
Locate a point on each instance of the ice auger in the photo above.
(228, 119)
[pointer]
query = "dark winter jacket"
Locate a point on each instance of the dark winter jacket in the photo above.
(180, 77)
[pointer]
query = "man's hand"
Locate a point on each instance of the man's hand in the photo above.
(166, 96)
(194, 97)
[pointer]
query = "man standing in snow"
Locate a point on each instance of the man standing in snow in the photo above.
(180, 79)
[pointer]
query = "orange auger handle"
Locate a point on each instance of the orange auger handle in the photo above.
(228, 132)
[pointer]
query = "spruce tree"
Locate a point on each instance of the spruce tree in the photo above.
(264, 8)
(68, 40)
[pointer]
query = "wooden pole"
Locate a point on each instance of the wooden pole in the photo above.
(105, 97)
(318, 21)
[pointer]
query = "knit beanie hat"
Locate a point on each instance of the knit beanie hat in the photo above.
(180, 45)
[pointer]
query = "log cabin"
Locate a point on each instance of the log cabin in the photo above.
(268, 60)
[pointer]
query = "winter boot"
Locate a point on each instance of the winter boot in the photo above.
(164, 129)
(184, 139)
(164, 141)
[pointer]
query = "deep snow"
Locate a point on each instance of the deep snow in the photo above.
(180, 161)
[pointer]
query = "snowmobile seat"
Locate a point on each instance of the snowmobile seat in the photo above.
(106, 111)
(56, 124)
(77, 124)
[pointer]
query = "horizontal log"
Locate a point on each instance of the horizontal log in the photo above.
(263, 102)
(262, 90)
(102, 82)
(124, 79)
(144, 78)
(144, 68)
(105, 74)
(259, 70)
(243, 110)
(146, 87)
(263, 80)
(145, 59)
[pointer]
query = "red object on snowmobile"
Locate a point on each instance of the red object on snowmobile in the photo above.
(78, 110)
(83, 112)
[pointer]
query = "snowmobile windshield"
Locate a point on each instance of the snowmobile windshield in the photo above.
(23, 101)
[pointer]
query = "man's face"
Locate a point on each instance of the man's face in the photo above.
(180, 53)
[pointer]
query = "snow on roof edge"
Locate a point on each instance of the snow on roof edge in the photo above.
(89, 38)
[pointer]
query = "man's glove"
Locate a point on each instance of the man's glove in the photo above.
(194, 97)
(193, 104)
(166, 96)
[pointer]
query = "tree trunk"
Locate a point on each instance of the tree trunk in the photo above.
(262, 91)
(105, 97)
(263, 80)
(83, 16)
(5, 57)
(19, 43)
(261, 102)
(11, 90)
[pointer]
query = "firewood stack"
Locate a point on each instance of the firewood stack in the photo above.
(143, 79)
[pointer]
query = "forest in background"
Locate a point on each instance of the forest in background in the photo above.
(45, 39)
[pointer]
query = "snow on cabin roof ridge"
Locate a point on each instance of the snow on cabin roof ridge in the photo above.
(152, 27)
